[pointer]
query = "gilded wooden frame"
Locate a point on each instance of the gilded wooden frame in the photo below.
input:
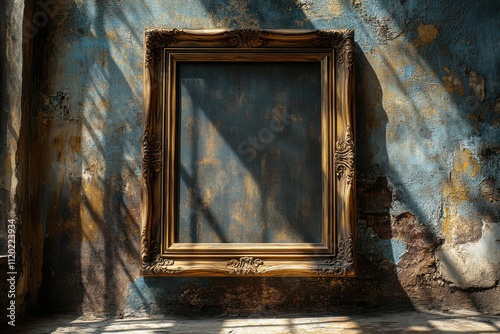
(160, 254)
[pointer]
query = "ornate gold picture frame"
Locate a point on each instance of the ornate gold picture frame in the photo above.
(248, 153)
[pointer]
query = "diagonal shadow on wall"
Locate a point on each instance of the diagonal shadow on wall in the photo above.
(92, 254)
(435, 127)
(92, 238)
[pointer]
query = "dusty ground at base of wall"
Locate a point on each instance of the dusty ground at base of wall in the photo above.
(359, 322)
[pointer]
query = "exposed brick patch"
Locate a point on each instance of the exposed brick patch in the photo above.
(374, 201)
(418, 261)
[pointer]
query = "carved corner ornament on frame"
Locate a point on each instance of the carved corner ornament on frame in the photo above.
(162, 253)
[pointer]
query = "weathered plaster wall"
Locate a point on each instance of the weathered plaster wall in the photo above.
(428, 106)
(10, 110)
(15, 95)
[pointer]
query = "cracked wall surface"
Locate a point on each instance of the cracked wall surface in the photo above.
(428, 117)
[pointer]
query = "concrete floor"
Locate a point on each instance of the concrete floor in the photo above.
(394, 322)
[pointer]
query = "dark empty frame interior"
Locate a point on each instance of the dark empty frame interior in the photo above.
(248, 153)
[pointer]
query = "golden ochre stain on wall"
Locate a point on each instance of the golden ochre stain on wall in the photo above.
(467, 163)
(91, 211)
(456, 190)
(427, 33)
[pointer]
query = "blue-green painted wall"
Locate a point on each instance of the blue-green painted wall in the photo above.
(428, 143)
